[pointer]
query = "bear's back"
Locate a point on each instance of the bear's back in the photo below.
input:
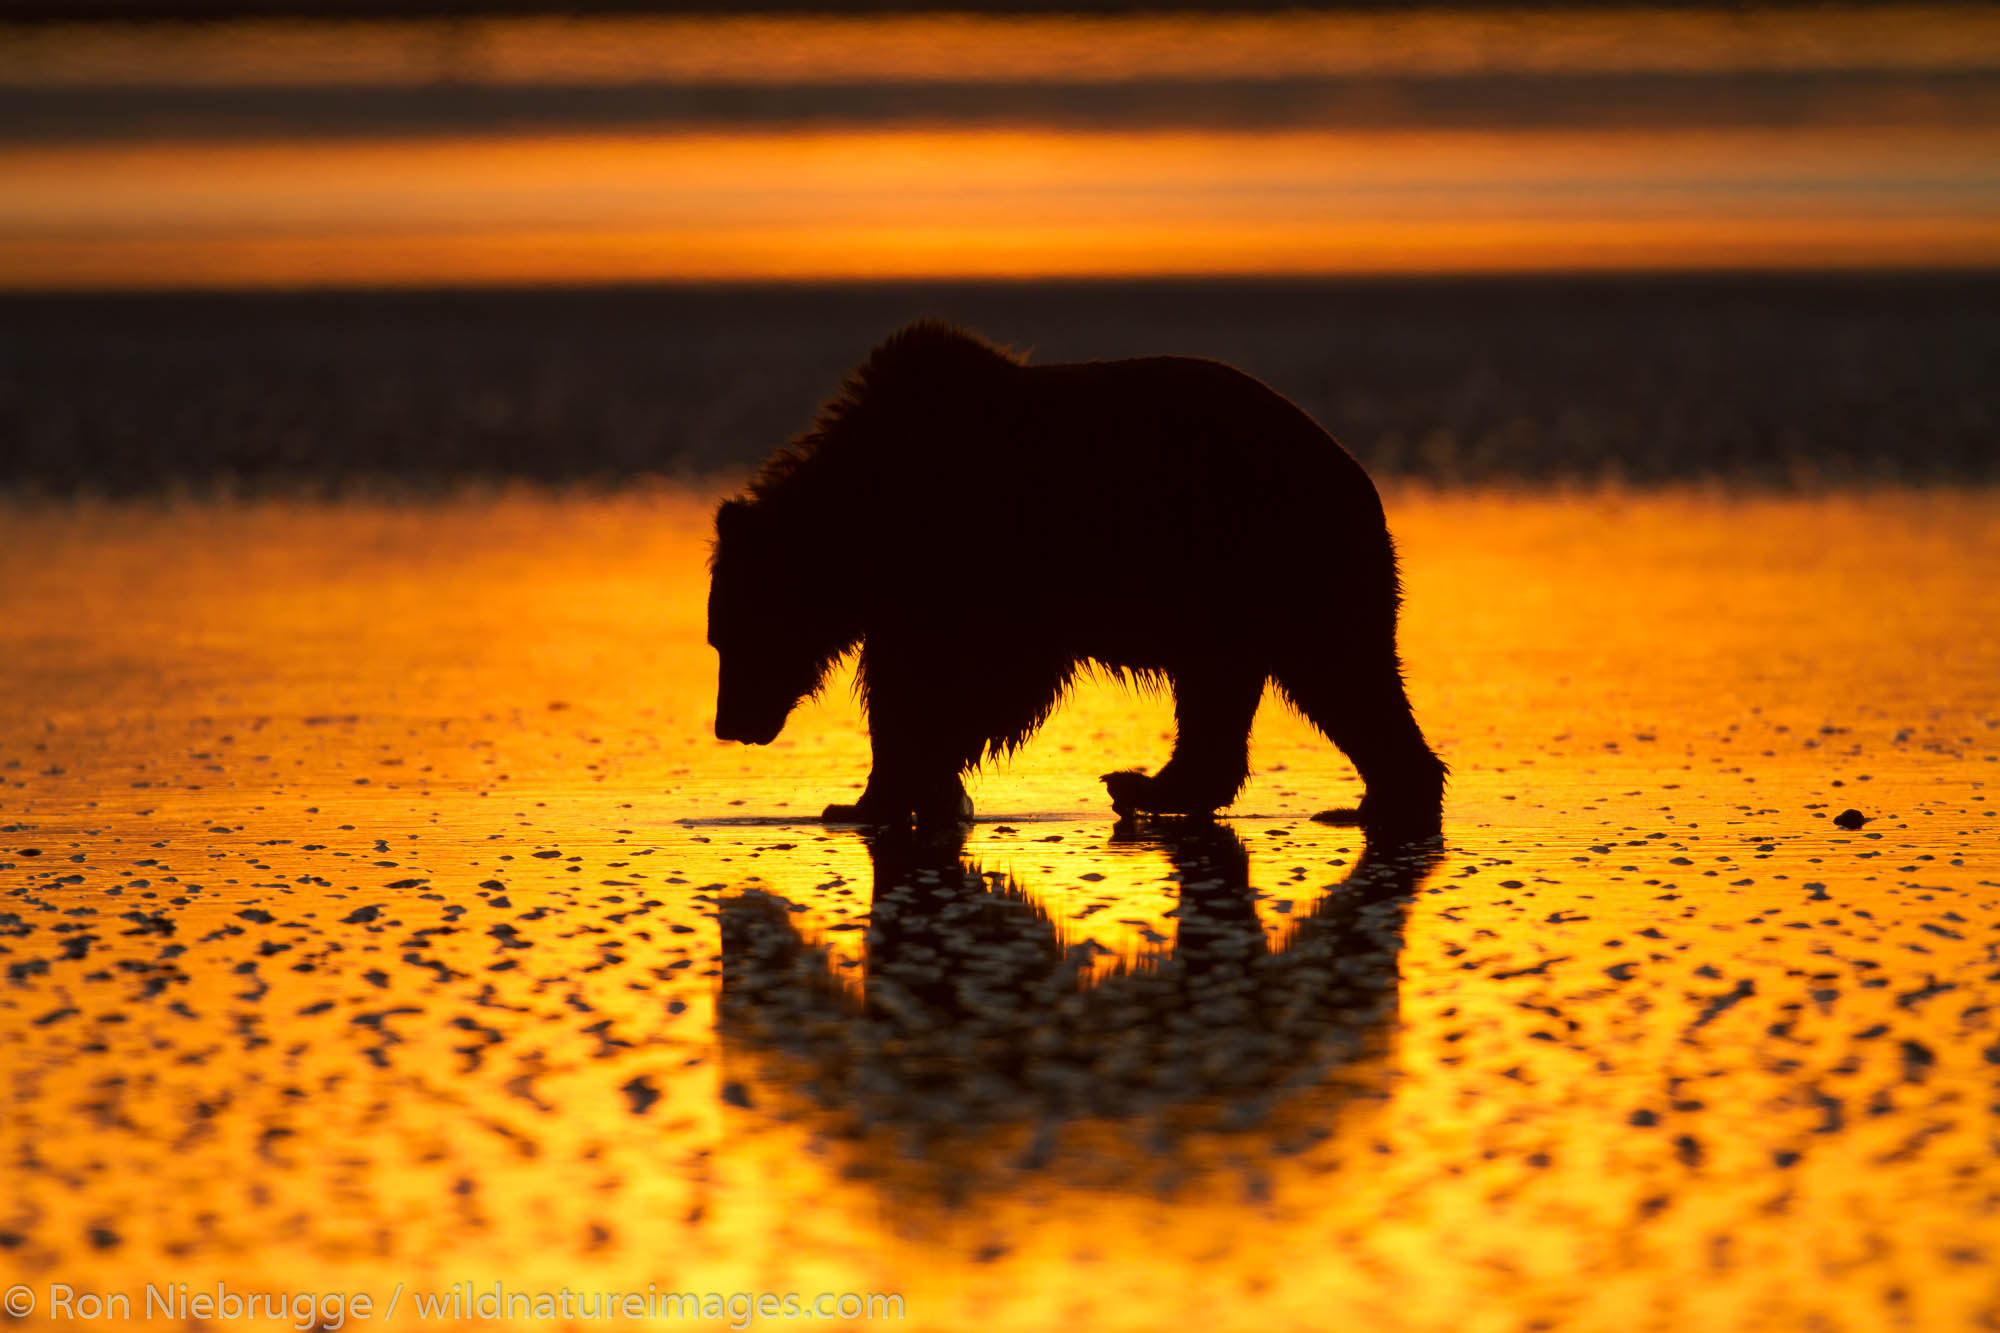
(1200, 422)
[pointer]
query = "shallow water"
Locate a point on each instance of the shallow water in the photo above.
(376, 908)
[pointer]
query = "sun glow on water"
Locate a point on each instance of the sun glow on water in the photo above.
(405, 866)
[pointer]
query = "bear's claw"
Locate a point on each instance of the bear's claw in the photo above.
(1127, 788)
(1396, 823)
(955, 807)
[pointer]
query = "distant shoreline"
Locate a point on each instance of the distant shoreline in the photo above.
(1660, 102)
(1791, 382)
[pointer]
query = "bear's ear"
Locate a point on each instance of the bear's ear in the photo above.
(732, 521)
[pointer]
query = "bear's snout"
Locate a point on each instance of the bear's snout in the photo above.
(733, 726)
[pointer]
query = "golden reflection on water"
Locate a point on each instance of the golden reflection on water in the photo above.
(990, 203)
(473, 164)
(1662, 1045)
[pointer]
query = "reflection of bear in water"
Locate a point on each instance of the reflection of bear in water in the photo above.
(974, 1007)
(983, 529)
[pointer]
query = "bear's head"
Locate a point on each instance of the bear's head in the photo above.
(776, 639)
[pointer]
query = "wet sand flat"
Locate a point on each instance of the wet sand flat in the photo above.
(377, 908)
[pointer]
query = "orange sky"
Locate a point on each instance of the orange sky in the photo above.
(778, 49)
(537, 201)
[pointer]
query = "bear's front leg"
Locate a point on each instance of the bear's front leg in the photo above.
(893, 804)
(1211, 760)
(922, 729)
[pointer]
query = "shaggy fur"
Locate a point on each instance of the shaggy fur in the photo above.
(982, 530)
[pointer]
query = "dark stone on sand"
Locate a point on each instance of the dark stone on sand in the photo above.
(642, 1094)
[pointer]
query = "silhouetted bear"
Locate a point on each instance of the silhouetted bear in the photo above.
(982, 529)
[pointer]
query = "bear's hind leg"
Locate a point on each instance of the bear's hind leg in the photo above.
(1363, 709)
(1211, 759)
